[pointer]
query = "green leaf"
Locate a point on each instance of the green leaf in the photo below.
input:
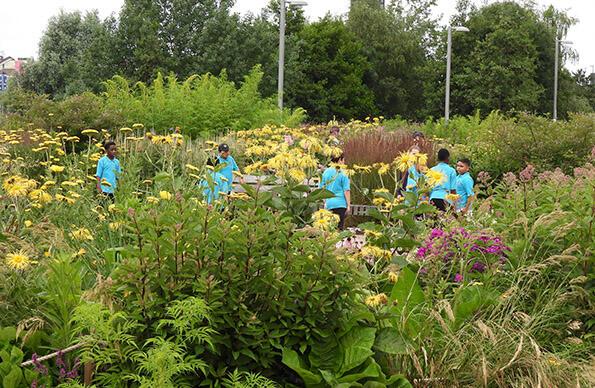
(13, 379)
(371, 370)
(398, 381)
(162, 176)
(16, 355)
(390, 341)
(8, 334)
(470, 299)
(409, 297)
(356, 347)
(292, 360)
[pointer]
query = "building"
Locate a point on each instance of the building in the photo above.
(9, 67)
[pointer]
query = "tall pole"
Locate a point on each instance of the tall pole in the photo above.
(555, 112)
(447, 97)
(281, 55)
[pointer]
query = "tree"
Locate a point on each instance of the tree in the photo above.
(396, 41)
(325, 73)
(75, 55)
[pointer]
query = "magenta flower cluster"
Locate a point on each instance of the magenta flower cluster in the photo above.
(478, 248)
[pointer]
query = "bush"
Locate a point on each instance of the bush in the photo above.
(200, 105)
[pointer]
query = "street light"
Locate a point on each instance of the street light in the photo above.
(296, 3)
(558, 43)
(448, 54)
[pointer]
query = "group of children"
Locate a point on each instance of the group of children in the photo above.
(454, 190)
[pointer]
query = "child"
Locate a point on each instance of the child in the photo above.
(464, 187)
(229, 165)
(448, 185)
(335, 181)
(108, 170)
(219, 184)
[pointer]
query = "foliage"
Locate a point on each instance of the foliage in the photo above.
(327, 80)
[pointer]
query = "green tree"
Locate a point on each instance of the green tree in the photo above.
(396, 41)
(75, 55)
(325, 73)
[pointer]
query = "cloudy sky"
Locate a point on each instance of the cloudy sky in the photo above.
(23, 21)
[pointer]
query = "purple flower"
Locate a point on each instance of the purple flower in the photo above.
(39, 367)
(421, 252)
(436, 233)
(478, 266)
(483, 177)
(458, 278)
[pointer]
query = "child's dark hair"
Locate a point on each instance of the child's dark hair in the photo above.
(443, 155)
(465, 161)
(108, 144)
(336, 159)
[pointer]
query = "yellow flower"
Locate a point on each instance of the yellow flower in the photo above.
(379, 201)
(152, 200)
(435, 178)
(80, 252)
(376, 300)
(191, 167)
(375, 252)
(165, 195)
(297, 175)
(90, 132)
(383, 169)
(82, 234)
(324, 219)
(18, 186)
(404, 161)
(421, 159)
(362, 168)
(393, 277)
(126, 129)
(18, 260)
(114, 225)
(452, 197)
(28, 223)
(55, 168)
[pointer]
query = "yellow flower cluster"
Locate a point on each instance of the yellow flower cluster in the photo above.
(325, 220)
(18, 186)
(291, 164)
(371, 251)
(81, 234)
(375, 301)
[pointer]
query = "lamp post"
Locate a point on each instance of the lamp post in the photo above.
(558, 43)
(297, 3)
(448, 55)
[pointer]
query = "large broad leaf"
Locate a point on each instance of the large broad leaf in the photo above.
(356, 347)
(325, 354)
(371, 370)
(409, 297)
(470, 299)
(8, 334)
(390, 341)
(292, 359)
(14, 378)
(407, 292)
(398, 381)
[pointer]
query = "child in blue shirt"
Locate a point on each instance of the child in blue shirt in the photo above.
(448, 186)
(335, 181)
(464, 186)
(229, 165)
(108, 171)
(220, 184)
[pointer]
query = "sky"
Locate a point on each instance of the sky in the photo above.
(23, 21)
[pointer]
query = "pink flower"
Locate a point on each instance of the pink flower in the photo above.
(510, 179)
(483, 177)
(527, 174)
(458, 278)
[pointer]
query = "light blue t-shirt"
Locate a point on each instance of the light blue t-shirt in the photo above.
(229, 166)
(440, 191)
(412, 177)
(220, 187)
(464, 189)
(108, 170)
(338, 183)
